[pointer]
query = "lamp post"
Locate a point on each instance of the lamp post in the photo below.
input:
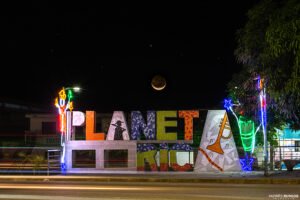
(64, 102)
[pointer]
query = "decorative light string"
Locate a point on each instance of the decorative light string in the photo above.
(63, 103)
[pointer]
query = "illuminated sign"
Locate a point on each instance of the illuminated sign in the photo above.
(161, 140)
(155, 128)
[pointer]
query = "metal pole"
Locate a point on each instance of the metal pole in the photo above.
(48, 162)
(280, 156)
(264, 126)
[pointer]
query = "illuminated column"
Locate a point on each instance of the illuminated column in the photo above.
(64, 103)
(263, 118)
(68, 125)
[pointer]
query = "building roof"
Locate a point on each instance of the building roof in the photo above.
(288, 133)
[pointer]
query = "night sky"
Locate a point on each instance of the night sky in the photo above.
(113, 52)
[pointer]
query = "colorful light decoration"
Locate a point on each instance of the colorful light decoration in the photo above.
(247, 134)
(228, 105)
(246, 129)
(247, 163)
(63, 103)
(263, 115)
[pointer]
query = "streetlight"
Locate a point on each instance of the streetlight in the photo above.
(64, 102)
(75, 88)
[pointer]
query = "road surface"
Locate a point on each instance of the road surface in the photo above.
(60, 190)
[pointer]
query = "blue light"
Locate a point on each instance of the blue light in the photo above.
(247, 163)
(227, 104)
(63, 168)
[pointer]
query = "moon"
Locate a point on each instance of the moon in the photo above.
(158, 82)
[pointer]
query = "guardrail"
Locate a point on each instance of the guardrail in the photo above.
(32, 160)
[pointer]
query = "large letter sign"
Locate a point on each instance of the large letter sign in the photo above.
(157, 141)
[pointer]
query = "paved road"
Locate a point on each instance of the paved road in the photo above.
(60, 190)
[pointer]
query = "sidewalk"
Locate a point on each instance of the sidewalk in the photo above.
(254, 177)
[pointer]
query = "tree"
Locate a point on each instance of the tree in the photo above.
(269, 45)
(242, 89)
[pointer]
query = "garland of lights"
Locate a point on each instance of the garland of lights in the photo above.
(246, 127)
(63, 103)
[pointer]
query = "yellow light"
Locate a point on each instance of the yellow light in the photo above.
(62, 94)
(71, 106)
(56, 102)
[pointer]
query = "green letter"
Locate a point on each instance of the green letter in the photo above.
(162, 124)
